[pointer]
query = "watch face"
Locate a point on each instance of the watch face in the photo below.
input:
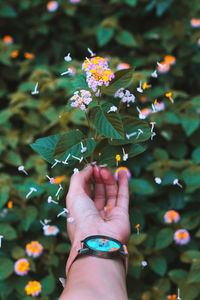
(102, 244)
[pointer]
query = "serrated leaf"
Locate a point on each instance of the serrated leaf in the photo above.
(48, 284)
(104, 35)
(190, 123)
(107, 124)
(164, 238)
(67, 141)
(190, 256)
(141, 187)
(4, 194)
(125, 38)
(28, 217)
(46, 146)
(6, 267)
(177, 275)
(8, 232)
(122, 79)
(158, 264)
(131, 125)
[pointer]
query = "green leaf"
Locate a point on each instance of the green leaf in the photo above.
(162, 6)
(7, 11)
(131, 2)
(196, 155)
(131, 125)
(6, 267)
(4, 115)
(18, 252)
(194, 276)
(141, 187)
(63, 248)
(125, 38)
(191, 176)
(46, 146)
(48, 284)
(4, 194)
(158, 264)
(164, 238)
(12, 158)
(190, 123)
(104, 35)
(29, 216)
(122, 79)
(8, 232)
(190, 256)
(67, 141)
(108, 124)
(177, 275)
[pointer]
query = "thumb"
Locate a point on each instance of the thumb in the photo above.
(80, 180)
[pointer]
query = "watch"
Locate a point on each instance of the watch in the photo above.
(99, 246)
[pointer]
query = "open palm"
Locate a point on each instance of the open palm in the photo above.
(89, 215)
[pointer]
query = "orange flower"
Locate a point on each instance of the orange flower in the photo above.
(8, 39)
(145, 86)
(169, 95)
(143, 98)
(170, 59)
(118, 158)
(29, 55)
(172, 297)
(107, 209)
(10, 204)
(123, 66)
(59, 179)
(15, 53)
(195, 22)
(138, 228)
(163, 67)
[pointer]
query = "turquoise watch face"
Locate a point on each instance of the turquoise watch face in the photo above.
(102, 244)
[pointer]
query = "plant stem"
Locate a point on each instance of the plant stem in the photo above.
(87, 119)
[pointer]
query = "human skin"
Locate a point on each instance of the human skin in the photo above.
(90, 277)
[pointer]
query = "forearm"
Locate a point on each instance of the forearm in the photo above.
(95, 278)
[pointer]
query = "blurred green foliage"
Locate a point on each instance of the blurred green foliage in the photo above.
(138, 32)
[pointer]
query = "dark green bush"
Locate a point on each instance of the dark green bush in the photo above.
(136, 32)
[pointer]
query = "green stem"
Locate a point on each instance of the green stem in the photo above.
(87, 119)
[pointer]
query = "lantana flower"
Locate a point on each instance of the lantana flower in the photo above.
(97, 72)
(172, 297)
(29, 55)
(15, 53)
(33, 288)
(81, 100)
(125, 169)
(34, 249)
(195, 23)
(170, 59)
(163, 67)
(51, 230)
(75, 1)
(182, 236)
(125, 95)
(123, 66)
(22, 267)
(171, 216)
(52, 6)
(8, 39)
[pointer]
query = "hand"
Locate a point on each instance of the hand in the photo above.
(89, 216)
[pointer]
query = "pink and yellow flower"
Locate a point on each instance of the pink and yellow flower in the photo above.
(8, 39)
(51, 230)
(123, 66)
(34, 249)
(122, 168)
(33, 288)
(182, 236)
(171, 216)
(195, 23)
(22, 267)
(52, 6)
(170, 59)
(81, 100)
(164, 67)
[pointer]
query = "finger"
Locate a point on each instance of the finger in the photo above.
(81, 182)
(99, 190)
(110, 187)
(123, 192)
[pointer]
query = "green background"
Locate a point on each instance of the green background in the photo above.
(136, 32)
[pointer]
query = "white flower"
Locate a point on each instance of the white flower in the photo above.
(158, 180)
(50, 230)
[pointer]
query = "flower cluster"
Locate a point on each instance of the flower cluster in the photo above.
(22, 267)
(172, 297)
(34, 249)
(33, 288)
(123, 66)
(164, 66)
(125, 96)
(171, 216)
(97, 72)
(182, 236)
(50, 230)
(81, 100)
(8, 39)
(195, 23)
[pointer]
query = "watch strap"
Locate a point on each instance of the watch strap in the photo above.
(74, 253)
